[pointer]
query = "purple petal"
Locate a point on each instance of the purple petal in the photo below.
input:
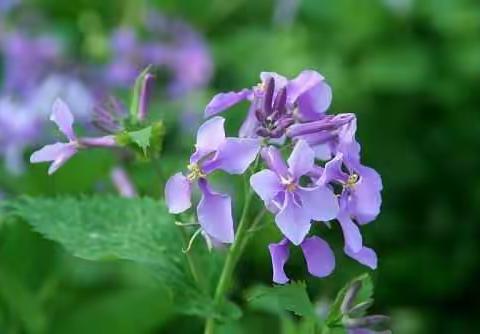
(333, 171)
(301, 160)
(279, 80)
(351, 232)
(223, 101)
(178, 193)
(235, 155)
(313, 104)
(63, 117)
(292, 220)
(365, 256)
(215, 213)
(305, 81)
(366, 197)
(266, 184)
(48, 152)
(59, 153)
(274, 161)
(249, 125)
(210, 136)
(279, 253)
(320, 203)
(319, 256)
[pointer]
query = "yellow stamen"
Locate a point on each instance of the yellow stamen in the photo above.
(352, 180)
(195, 172)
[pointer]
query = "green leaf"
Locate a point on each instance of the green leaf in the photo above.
(23, 303)
(136, 94)
(142, 138)
(292, 297)
(364, 295)
(121, 312)
(108, 228)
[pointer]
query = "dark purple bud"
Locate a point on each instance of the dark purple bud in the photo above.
(326, 123)
(268, 98)
(280, 104)
(318, 138)
(262, 132)
(260, 114)
(277, 133)
(285, 122)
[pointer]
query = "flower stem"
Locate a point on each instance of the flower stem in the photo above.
(232, 258)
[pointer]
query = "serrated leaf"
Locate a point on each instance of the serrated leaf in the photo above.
(108, 227)
(364, 294)
(142, 138)
(292, 297)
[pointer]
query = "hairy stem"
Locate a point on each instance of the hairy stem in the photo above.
(233, 255)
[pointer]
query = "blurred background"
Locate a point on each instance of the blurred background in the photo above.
(409, 69)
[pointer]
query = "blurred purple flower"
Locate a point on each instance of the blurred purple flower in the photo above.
(295, 206)
(27, 60)
(173, 46)
(318, 255)
(213, 152)
(18, 128)
(60, 153)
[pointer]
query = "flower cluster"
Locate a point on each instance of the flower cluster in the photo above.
(322, 180)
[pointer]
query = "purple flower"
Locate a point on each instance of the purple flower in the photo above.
(305, 98)
(360, 201)
(60, 153)
(294, 205)
(318, 255)
(214, 151)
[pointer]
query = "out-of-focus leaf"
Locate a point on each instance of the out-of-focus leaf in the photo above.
(129, 311)
(23, 303)
(292, 297)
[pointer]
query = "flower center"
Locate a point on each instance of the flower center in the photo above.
(291, 187)
(195, 172)
(352, 180)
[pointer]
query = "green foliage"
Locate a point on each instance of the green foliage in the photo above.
(292, 297)
(142, 138)
(140, 230)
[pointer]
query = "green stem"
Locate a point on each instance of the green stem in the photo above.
(232, 257)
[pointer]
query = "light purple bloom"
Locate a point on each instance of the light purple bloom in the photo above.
(294, 205)
(360, 202)
(60, 153)
(214, 151)
(318, 255)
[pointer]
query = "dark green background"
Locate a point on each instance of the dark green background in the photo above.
(412, 77)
